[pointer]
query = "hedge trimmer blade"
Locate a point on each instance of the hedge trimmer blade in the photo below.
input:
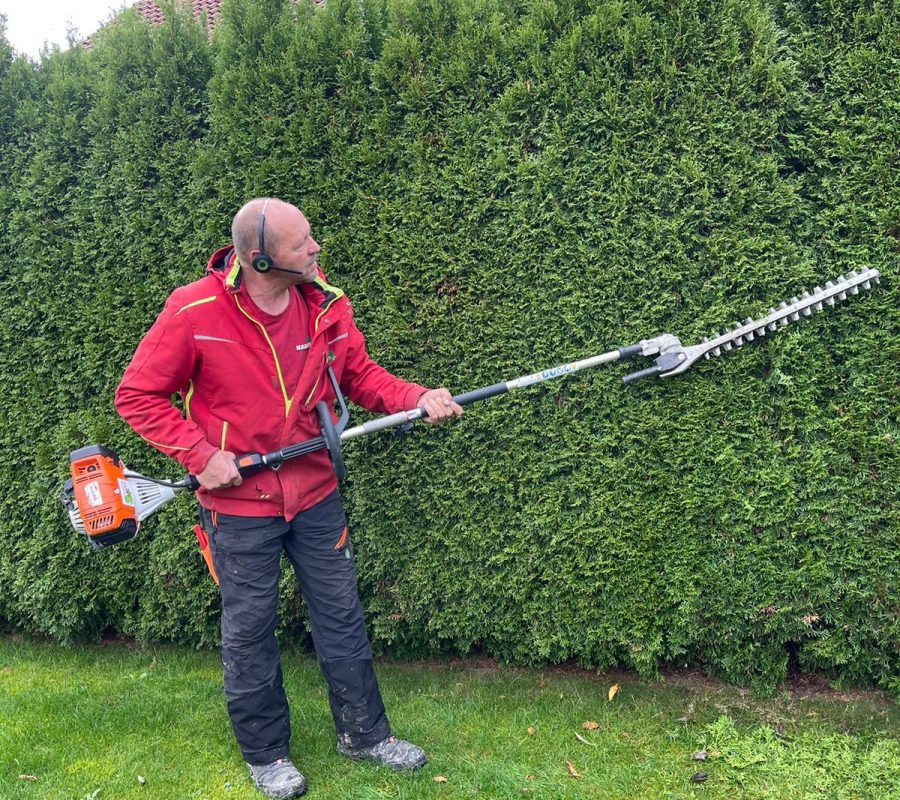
(675, 359)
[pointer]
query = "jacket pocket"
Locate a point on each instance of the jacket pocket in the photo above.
(217, 432)
(261, 485)
(320, 386)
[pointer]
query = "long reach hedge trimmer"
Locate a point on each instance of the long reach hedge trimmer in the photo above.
(107, 502)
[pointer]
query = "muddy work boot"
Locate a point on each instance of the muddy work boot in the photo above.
(391, 752)
(279, 779)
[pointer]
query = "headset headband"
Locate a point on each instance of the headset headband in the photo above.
(262, 227)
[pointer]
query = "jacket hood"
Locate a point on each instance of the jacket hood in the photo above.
(220, 259)
(223, 264)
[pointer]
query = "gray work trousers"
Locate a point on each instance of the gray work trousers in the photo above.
(246, 552)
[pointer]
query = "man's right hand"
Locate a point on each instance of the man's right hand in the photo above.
(220, 472)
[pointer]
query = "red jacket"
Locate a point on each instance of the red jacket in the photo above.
(208, 348)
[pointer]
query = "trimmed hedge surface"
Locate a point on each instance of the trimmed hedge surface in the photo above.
(500, 186)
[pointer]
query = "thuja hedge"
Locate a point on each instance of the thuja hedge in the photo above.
(499, 186)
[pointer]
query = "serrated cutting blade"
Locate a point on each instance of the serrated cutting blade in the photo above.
(810, 302)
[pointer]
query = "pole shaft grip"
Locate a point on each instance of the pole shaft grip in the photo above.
(246, 464)
(480, 394)
(310, 446)
(475, 395)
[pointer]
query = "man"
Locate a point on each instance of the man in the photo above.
(248, 347)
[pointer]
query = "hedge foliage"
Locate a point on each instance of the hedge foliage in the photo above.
(501, 186)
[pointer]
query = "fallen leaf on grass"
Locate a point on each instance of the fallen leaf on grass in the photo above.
(141, 779)
(699, 777)
(530, 731)
(699, 755)
(590, 725)
(613, 690)
(572, 770)
(582, 739)
(529, 777)
(440, 779)
(27, 777)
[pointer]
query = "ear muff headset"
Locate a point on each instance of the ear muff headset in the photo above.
(262, 262)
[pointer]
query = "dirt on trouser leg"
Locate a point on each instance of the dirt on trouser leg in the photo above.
(247, 554)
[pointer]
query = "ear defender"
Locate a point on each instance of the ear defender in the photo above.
(262, 262)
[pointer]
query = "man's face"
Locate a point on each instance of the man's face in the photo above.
(295, 249)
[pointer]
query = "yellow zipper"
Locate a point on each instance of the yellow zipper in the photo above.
(321, 314)
(187, 399)
(315, 386)
(284, 394)
(224, 431)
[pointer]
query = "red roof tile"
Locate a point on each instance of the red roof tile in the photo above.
(151, 12)
(149, 9)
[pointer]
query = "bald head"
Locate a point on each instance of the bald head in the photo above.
(245, 226)
(287, 237)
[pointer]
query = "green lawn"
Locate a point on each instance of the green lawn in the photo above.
(86, 722)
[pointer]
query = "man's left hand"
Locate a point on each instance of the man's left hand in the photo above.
(439, 405)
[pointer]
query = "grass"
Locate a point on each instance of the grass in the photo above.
(86, 722)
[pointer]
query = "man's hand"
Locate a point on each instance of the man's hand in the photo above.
(220, 472)
(439, 405)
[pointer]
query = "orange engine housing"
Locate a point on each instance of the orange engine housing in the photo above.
(103, 496)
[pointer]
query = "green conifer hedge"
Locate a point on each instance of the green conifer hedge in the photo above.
(500, 186)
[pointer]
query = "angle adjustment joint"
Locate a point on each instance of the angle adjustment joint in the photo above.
(670, 356)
